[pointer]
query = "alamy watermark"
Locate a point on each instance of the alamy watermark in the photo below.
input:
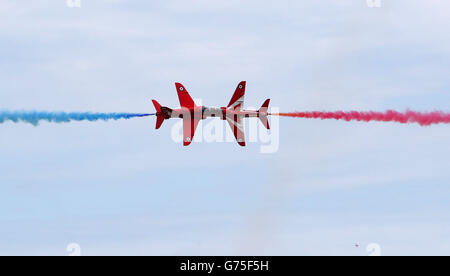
(217, 130)
(74, 249)
(73, 3)
(374, 249)
(373, 3)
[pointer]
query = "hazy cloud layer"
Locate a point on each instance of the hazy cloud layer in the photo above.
(331, 184)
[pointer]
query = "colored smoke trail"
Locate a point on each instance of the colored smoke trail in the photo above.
(34, 117)
(421, 118)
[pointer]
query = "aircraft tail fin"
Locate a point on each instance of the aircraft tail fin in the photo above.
(265, 106)
(157, 106)
(159, 115)
(159, 121)
(263, 113)
(265, 121)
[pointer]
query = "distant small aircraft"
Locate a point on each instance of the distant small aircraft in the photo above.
(192, 114)
(356, 245)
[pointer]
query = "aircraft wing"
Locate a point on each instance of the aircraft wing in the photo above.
(189, 127)
(184, 97)
(237, 127)
(237, 101)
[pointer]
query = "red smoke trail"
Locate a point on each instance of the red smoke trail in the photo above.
(421, 118)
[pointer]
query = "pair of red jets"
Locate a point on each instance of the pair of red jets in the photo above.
(192, 114)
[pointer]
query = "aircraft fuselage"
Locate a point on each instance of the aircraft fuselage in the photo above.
(202, 112)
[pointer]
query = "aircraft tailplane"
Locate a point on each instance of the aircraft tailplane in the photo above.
(159, 115)
(263, 114)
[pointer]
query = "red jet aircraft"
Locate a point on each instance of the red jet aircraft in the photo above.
(192, 114)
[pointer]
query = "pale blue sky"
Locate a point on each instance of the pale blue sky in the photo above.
(124, 188)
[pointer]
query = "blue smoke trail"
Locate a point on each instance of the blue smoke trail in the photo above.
(34, 117)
